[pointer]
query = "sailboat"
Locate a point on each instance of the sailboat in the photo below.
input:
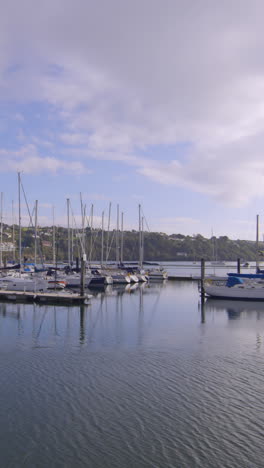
(19, 281)
(215, 260)
(14, 282)
(247, 286)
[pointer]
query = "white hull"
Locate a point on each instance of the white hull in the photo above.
(117, 276)
(74, 281)
(121, 279)
(252, 293)
(108, 279)
(142, 278)
(10, 283)
(133, 278)
(56, 284)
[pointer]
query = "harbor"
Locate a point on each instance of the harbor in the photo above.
(131, 251)
(80, 382)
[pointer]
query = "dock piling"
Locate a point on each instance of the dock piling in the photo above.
(82, 275)
(202, 277)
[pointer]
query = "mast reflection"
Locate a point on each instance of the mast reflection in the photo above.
(114, 316)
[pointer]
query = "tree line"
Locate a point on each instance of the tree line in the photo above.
(157, 246)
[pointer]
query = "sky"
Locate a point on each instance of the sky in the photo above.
(158, 103)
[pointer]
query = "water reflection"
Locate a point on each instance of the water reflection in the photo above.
(235, 309)
(202, 309)
(82, 324)
(115, 315)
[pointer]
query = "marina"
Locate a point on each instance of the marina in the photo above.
(143, 376)
(131, 258)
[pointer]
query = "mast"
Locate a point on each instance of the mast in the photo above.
(69, 234)
(53, 238)
(142, 242)
(108, 232)
(83, 214)
(122, 238)
(13, 231)
(91, 236)
(1, 232)
(83, 230)
(19, 222)
(36, 227)
(102, 247)
(257, 244)
(140, 237)
(117, 235)
(72, 242)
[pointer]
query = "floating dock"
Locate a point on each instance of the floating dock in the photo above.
(45, 297)
(196, 278)
(184, 278)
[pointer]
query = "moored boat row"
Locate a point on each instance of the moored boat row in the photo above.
(68, 278)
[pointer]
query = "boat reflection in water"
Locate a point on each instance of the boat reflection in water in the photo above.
(132, 379)
(235, 309)
(112, 317)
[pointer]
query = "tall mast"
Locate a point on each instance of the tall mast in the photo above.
(102, 247)
(81, 206)
(13, 231)
(69, 234)
(83, 214)
(142, 242)
(19, 222)
(140, 236)
(72, 241)
(53, 237)
(1, 231)
(117, 235)
(91, 236)
(108, 232)
(122, 238)
(83, 230)
(36, 227)
(257, 244)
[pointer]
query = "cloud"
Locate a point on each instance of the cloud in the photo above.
(122, 77)
(27, 160)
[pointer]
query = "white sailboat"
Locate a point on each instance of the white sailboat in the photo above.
(240, 286)
(23, 283)
(235, 288)
(19, 281)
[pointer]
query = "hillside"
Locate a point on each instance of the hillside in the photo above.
(157, 246)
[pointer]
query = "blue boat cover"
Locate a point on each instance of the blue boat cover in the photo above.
(232, 280)
(246, 275)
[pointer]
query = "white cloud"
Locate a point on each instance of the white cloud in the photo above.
(27, 160)
(124, 76)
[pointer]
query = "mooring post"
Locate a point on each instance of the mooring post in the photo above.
(202, 277)
(83, 259)
(238, 265)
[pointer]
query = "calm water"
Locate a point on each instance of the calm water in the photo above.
(139, 378)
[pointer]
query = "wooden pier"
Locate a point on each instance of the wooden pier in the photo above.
(63, 298)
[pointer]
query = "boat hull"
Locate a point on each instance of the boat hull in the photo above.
(224, 292)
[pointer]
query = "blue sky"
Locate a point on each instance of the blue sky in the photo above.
(135, 102)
